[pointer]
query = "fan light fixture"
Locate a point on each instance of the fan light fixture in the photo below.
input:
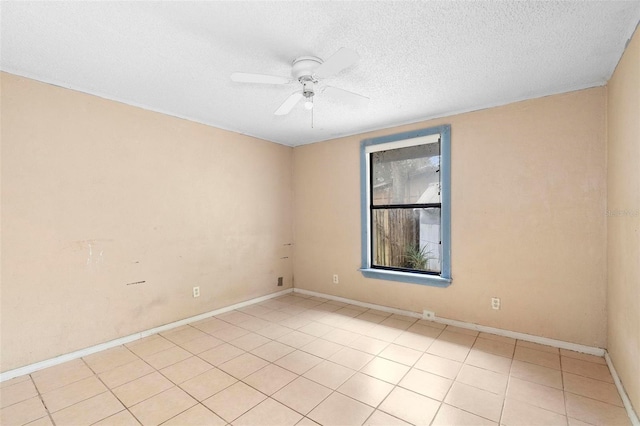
(309, 104)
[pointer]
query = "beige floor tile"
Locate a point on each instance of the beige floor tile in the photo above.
(61, 375)
(316, 329)
(518, 413)
(357, 326)
(497, 338)
(221, 354)
(451, 345)
(302, 394)
(321, 348)
(536, 374)
(477, 401)
(489, 361)
(586, 369)
(234, 317)
(341, 337)
(537, 346)
(437, 365)
(454, 329)
(229, 333)
(545, 397)
(369, 345)
(595, 412)
(272, 351)
(17, 392)
(234, 401)
(202, 344)
(275, 316)
(386, 370)
(371, 317)
(366, 389)
(384, 333)
(575, 422)
(66, 396)
(163, 406)
(108, 359)
(483, 379)
(254, 324)
(351, 358)
(250, 341)
(22, 412)
(273, 331)
(414, 341)
(269, 413)
(186, 369)
(14, 381)
(140, 389)
(89, 411)
(42, 421)
(592, 388)
(428, 329)
(494, 347)
(348, 311)
(207, 384)
(448, 415)
(380, 418)
(167, 357)
(426, 384)
(299, 362)
(380, 313)
(545, 359)
(401, 354)
(198, 415)
(243, 365)
(583, 357)
(254, 310)
(396, 322)
(296, 339)
(126, 373)
(294, 322)
(410, 406)
(185, 334)
(329, 374)
(270, 379)
(149, 345)
(210, 325)
(123, 418)
(338, 409)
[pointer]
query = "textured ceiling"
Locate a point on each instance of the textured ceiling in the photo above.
(418, 60)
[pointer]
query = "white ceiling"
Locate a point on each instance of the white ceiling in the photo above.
(419, 60)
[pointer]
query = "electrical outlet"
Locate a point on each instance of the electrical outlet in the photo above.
(495, 303)
(335, 279)
(428, 315)
(196, 292)
(279, 281)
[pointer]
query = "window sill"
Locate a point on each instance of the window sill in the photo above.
(406, 277)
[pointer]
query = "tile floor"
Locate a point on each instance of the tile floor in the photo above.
(306, 360)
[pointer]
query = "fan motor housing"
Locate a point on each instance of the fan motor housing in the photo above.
(305, 66)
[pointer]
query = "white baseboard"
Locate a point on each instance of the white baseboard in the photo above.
(591, 350)
(623, 393)
(28, 369)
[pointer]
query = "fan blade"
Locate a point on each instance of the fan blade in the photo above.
(288, 105)
(346, 96)
(340, 60)
(243, 77)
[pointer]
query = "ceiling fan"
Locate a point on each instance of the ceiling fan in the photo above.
(309, 71)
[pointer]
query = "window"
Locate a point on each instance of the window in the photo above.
(405, 198)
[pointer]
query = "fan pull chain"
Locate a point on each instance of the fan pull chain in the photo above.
(312, 113)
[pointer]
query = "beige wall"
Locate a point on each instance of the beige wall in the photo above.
(528, 219)
(155, 198)
(623, 224)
